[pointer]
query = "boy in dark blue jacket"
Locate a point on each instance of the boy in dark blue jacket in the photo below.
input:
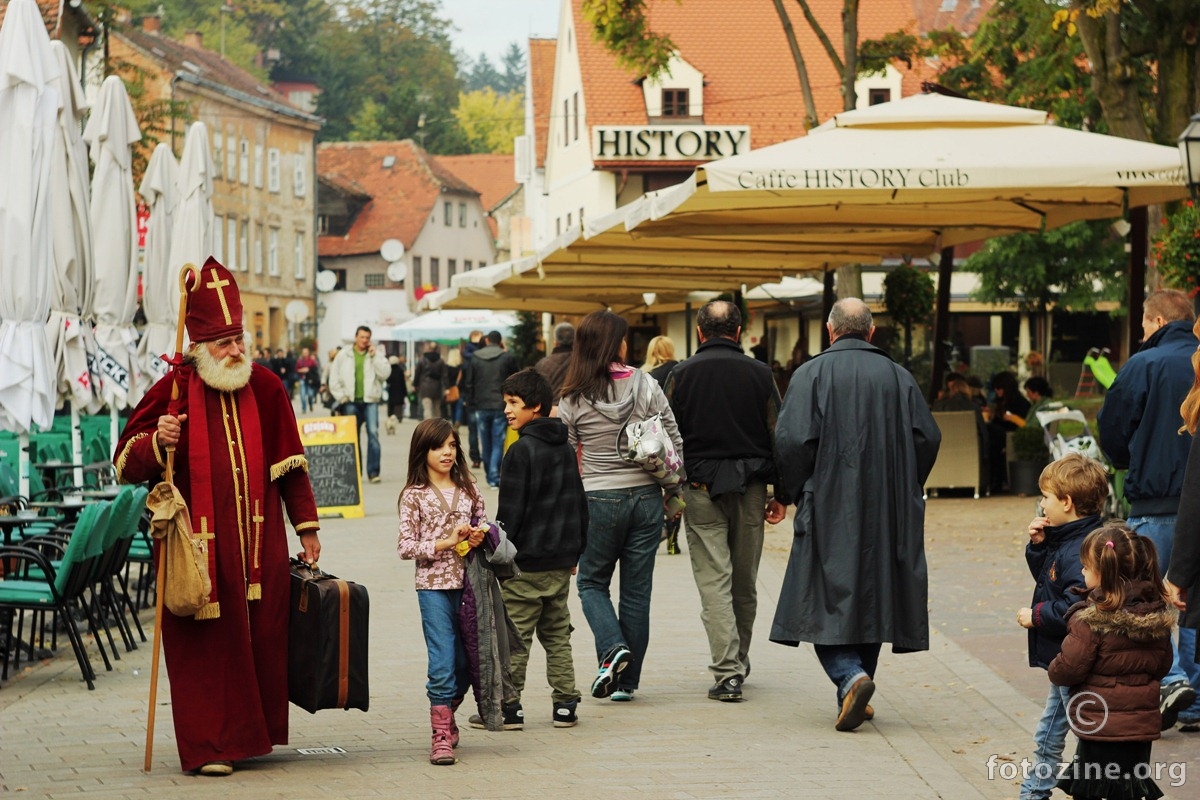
(1074, 490)
(544, 511)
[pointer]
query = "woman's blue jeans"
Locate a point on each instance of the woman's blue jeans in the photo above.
(624, 526)
(449, 678)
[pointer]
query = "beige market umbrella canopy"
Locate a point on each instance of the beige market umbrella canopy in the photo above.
(911, 177)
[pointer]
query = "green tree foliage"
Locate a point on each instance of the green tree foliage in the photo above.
(1058, 269)
(482, 75)
(1176, 250)
(490, 121)
(525, 337)
(514, 70)
(622, 26)
(908, 295)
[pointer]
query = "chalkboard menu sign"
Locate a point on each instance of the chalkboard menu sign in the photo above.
(331, 446)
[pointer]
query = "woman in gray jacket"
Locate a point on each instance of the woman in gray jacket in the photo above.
(625, 503)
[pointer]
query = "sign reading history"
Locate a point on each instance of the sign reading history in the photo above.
(331, 447)
(668, 142)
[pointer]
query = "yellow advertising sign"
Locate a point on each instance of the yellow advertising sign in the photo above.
(331, 446)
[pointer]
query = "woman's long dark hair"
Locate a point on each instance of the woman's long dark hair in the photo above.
(597, 344)
(1007, 381)
(429, 435)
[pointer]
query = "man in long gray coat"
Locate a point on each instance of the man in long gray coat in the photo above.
(855, 442)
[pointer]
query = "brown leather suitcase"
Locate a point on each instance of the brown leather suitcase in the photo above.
(327, 641)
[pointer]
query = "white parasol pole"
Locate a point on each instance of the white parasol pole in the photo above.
(76, 445)
(23, 463)
(112, 423)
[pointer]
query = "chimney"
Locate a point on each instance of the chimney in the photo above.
(123, 15)
(151, 24)
(194, 39)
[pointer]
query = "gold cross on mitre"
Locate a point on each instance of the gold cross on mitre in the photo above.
(219, 285)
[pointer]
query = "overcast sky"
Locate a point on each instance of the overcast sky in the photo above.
(487, 26)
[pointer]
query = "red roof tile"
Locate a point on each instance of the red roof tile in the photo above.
(403, 195)
(750, 77)
(490, 173)
(541, 78)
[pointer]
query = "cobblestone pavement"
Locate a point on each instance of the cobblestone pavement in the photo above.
(939, 715)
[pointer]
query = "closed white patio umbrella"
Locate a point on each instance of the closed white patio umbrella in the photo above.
(29, 104)
(192, 228)
(160, 190)
(110, 133)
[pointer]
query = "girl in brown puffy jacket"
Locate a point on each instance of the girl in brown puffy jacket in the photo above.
(1117, 649)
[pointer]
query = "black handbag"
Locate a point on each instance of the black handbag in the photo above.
(327, 641)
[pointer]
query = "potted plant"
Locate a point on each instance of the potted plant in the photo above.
(1029, 455)
(1176, 249)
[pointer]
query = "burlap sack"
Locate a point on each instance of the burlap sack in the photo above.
(187, 585)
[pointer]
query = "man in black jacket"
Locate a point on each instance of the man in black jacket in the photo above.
(726, 404)
(482, 376)
(544, 512)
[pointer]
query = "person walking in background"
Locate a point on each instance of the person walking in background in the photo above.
(625, 503)
(1074, 489)
(1138, 426)
(660, 360)
(308, 374)
(544, 511)
(484, 373)
(429, 379)
(554, 366)
(356, 381)
(227, 664)
(285, 367)
(1118, 648)
(726, 406)
(852, 402)
(397, 388)
(452, 397)
(474, 342)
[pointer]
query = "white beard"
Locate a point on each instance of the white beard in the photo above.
(227, 375)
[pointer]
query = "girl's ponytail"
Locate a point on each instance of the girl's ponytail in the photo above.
(1119, 557)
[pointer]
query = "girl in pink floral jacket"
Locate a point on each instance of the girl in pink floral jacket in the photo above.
(441, 518)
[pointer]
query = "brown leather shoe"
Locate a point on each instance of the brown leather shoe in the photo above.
(854, 704)
(217, 768)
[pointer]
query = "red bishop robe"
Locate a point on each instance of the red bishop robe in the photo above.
(228, 673)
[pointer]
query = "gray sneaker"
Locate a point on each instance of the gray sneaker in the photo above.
(728, 690)
(1173, 698)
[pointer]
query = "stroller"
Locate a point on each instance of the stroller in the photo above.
(1051, 418)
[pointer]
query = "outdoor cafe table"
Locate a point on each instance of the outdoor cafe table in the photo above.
(50, 470)
(69, 507)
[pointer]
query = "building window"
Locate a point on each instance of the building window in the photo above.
(374, 280)
(566, 122)
(675, 102)
(448, 213)
(414, 279)
(231, 156)
(570, 219)
(301, 268)
(273, 253)
(219, 154)
(451, 268)
(558, 226)
(231, 245)
(877, 96)
(299, 172)
(435, 267)
(482, 264)
(273, 169)
(258, 166)
(575, 115)
(323, 225)
(218, 238)
(259, 244)
(244, 162)
(466, 265)
(462, 215)
(244, 249)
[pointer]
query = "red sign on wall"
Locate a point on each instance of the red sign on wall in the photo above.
(143, 223)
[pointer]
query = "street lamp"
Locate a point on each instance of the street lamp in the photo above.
(1189, 151)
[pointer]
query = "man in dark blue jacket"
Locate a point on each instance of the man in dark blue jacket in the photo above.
(1139, 430)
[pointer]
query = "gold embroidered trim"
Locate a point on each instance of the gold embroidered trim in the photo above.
(209, 611)
(308, 526)
(158, 456)
(241, 475)
(254, 592)
(287, 465)
(125, 454)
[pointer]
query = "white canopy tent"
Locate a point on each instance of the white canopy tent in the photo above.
(450, 325)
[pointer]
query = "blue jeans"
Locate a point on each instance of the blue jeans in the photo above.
(492, 425)
(449, 678)
(1048, 741)
(307, 397)
(472, 434)
(624, 525)
(846, 663)
(367, 413)
(1160, 529)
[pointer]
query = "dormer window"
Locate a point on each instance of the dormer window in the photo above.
(675, 102)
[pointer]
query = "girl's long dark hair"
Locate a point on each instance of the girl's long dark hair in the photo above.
(597, 344)
(1119, 557)
(429, 435)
